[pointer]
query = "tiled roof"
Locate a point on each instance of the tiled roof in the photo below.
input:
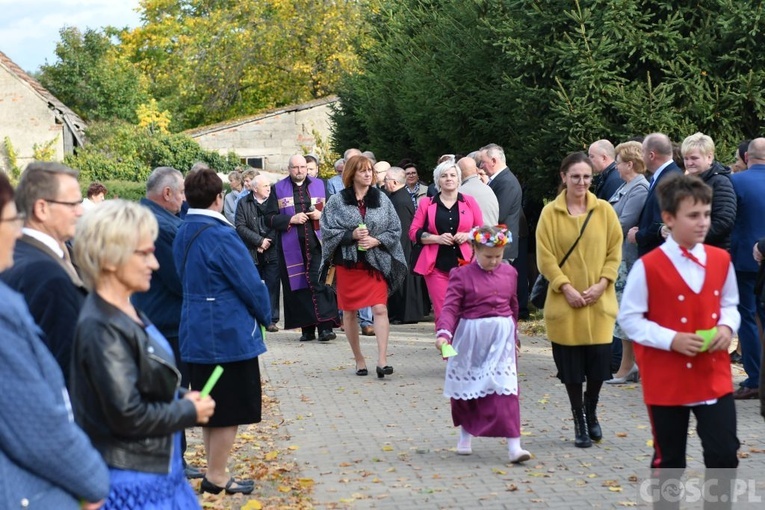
(60, 110)
(227, 124)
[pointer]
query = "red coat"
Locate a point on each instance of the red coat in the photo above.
(671, 378)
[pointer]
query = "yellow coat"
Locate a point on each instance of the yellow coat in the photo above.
(597, 255)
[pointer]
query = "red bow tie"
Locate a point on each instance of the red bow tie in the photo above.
(687, 254)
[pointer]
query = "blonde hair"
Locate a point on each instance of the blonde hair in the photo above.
(108, 235)
(632, 152)
(443, 167)
(700, 141)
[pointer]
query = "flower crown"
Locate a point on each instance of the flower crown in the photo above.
(491, 236)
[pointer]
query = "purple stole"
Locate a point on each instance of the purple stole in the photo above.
(293, 255)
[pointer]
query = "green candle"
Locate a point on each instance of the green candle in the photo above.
(217, 372)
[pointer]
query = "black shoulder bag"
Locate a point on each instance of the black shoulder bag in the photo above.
(539, 290)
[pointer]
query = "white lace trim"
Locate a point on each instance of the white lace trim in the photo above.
(485, 364)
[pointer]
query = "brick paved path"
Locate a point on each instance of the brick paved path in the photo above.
(389, 443)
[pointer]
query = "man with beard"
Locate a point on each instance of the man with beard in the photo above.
(293, 209)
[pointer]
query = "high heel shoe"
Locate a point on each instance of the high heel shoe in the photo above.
(632, 376)
(383, 371)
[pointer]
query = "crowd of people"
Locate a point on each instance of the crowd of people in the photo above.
(128, 308)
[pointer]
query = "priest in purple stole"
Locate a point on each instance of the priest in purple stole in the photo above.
(293, 209)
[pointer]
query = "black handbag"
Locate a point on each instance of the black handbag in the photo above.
(539, 290)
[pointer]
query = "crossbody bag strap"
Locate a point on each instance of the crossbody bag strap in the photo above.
(182, 269)
(581, 231)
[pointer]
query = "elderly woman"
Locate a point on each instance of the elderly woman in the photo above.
(442, 225)
(580, 311)
(628, 202)
(45, 458)
(225, 304)
(699, 156)
(229, 203)
(124, 380)
(361, 236)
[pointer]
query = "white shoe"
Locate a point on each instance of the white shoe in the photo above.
(632, 376)
(464, 448)
(520, 456)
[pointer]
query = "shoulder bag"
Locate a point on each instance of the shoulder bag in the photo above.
(539, 290)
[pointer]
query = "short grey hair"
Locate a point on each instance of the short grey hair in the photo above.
(396, 173)
(495, 151)
(163, 177)
(108, 235)
(38, 182)
(338, 163)
(443, 167)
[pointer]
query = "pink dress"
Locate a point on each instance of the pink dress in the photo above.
(480, 313)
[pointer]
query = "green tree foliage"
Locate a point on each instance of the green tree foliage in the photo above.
(125, 152)
(92, 77)
(546, 77)
(210, 60)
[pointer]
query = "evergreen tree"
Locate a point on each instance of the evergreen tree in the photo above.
(543, 78)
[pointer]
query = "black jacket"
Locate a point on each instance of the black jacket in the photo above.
(250, 222)
(723, 205)
(123, 389)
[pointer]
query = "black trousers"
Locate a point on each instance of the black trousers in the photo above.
(716, 427)
(521, 264)
(269, 272)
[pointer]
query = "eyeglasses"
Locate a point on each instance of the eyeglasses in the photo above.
(19, 219)
(580, 178)
(61, 202)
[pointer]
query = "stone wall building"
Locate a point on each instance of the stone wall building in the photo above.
(267, 140)
(30, 115)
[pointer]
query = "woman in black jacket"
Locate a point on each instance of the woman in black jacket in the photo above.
(125, 386)
(699, 155)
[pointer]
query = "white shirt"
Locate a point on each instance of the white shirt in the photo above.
(210, 213)
(491, 178)
(658, 171)
(45, 239)
(634, 303)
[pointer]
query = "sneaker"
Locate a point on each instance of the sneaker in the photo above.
(464, 448)
(519, 456)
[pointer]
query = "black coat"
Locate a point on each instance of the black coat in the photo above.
(723, 205)
(251, 226)
(609, 181)
(123, 390)
(509, 196)
(53, 298)
(405, 305)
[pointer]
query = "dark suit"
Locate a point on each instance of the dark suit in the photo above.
(509, 195)
(748, 229)
(406, 304)
(649, 236)
(53, 292)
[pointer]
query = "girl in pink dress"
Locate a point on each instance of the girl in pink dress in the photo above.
(479, 319)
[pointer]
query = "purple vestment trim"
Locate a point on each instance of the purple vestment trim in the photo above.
(293, 255)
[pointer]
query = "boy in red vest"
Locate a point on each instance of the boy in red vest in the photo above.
(680, 308)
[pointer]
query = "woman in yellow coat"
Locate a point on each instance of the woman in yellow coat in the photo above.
(581, 306)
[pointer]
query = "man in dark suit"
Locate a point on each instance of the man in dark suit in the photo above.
(50, 196)
(657, 154)
(510, 197)
(607, 179)
(748, 229)
(406, 304)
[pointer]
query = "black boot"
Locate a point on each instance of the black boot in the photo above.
(582, 440)
(591, 409)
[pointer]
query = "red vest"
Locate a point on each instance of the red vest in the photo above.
(670, 378)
